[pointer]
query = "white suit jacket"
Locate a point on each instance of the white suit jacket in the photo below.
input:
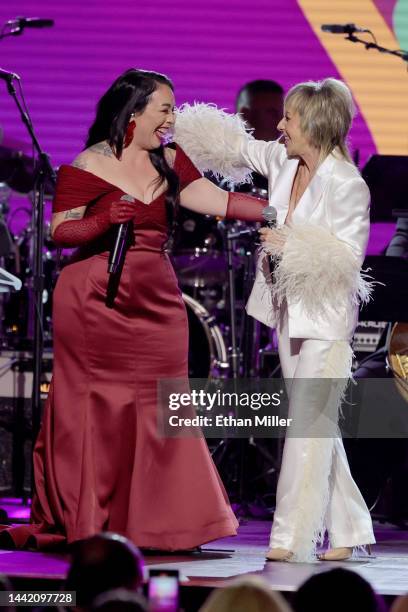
(337, 199)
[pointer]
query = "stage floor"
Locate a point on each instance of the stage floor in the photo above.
(386, 569)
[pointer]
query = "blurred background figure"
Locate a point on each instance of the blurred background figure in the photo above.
(101, 563)
(260, 103)
(337, 590)
(250, 594)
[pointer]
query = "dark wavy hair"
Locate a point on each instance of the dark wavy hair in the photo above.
(131, 93)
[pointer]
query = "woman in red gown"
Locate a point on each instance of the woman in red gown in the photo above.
(99, 462)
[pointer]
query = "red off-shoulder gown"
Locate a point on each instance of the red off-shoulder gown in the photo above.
(99, 462)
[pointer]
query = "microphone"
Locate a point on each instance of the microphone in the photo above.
(118, 251)
(8, 76)
(347, 28)
(269, 214)
(31, 22)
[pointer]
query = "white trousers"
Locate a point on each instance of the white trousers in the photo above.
(316, 491)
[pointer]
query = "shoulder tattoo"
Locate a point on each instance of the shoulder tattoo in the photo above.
(79, 162)
(102, 148)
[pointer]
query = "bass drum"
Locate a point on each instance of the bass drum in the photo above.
(207, 353)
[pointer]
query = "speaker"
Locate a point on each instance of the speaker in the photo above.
(16, 381)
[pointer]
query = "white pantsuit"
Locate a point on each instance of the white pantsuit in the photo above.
(315, 318)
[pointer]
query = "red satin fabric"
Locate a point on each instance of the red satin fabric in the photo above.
(99, 463)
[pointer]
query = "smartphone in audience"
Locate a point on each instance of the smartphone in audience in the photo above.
(164, 590)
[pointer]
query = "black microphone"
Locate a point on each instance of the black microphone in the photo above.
(118, 251)
(347, 28)
(31, 22)
(8, 76)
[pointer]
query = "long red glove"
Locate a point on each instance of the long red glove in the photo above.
(75, 233)
(244, 207)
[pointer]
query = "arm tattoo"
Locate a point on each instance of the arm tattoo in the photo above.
(71, 214)
(102, 148)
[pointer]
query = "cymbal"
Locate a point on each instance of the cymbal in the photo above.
(18, 170)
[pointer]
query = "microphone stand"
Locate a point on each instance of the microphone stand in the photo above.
(44, 171)
(373, 45)
(15, 29)
(239, 447)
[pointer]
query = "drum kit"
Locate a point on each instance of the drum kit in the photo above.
(17, 178)
(215, 265)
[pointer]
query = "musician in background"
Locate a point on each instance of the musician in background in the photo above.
(260, 103)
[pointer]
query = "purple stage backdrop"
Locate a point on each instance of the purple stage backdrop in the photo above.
(208, 47)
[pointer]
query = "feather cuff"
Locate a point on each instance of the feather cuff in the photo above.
(318, 270)
(212, 140)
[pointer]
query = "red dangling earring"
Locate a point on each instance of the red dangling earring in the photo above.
(129, 134)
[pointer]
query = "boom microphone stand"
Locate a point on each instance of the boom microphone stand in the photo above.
(242, 355)
(44, 171)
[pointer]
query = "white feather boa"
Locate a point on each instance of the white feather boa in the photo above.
(318, 270)
(211, 138)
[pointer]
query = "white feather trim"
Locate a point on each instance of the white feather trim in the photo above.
(318, 270)
(212, 138)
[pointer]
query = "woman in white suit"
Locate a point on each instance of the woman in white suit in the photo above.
(322, 206)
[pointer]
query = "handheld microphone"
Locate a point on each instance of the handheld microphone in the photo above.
(347, 28)
(31, 22)
(269, 215)
(118, 251)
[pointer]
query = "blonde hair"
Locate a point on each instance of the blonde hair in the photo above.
(326, 112)
(249, 593)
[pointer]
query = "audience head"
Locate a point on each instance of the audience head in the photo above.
(261, 105)
(337, 590)
(101, 563)
(249, 593)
